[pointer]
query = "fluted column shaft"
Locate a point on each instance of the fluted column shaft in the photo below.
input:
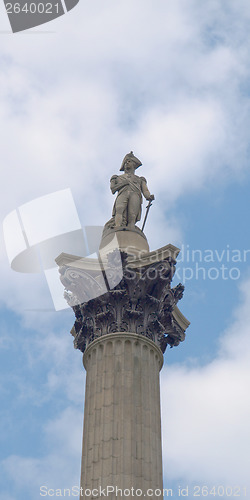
(122, 422)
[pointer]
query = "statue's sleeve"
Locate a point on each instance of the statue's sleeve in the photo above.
(113, 183)
(144, 188)
(117, 182)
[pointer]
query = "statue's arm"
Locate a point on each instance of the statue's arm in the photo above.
(117, 182)
(145, 190)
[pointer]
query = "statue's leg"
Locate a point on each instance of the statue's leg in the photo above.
(120, 207)
(134, 204)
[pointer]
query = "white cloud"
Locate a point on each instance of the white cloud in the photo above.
(205, 412)
(178, 145)
(60, 468)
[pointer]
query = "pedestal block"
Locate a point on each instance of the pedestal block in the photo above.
(132, 242)
(122, 424)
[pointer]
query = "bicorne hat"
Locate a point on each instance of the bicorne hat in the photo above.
(130, 156)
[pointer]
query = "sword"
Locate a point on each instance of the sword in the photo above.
(146, 214)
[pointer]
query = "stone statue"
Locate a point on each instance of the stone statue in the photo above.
(129, 188)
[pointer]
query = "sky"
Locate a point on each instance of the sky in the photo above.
(170, 81)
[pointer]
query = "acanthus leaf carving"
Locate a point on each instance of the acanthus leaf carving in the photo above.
(141, 302)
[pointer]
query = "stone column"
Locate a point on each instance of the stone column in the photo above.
(122, 423)
(126, 316)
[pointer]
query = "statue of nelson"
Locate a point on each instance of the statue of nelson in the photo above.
(129, 188)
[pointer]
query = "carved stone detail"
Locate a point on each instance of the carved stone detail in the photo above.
(142, 302)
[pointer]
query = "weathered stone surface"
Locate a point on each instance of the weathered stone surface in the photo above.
(131, 241)
(122, 424)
